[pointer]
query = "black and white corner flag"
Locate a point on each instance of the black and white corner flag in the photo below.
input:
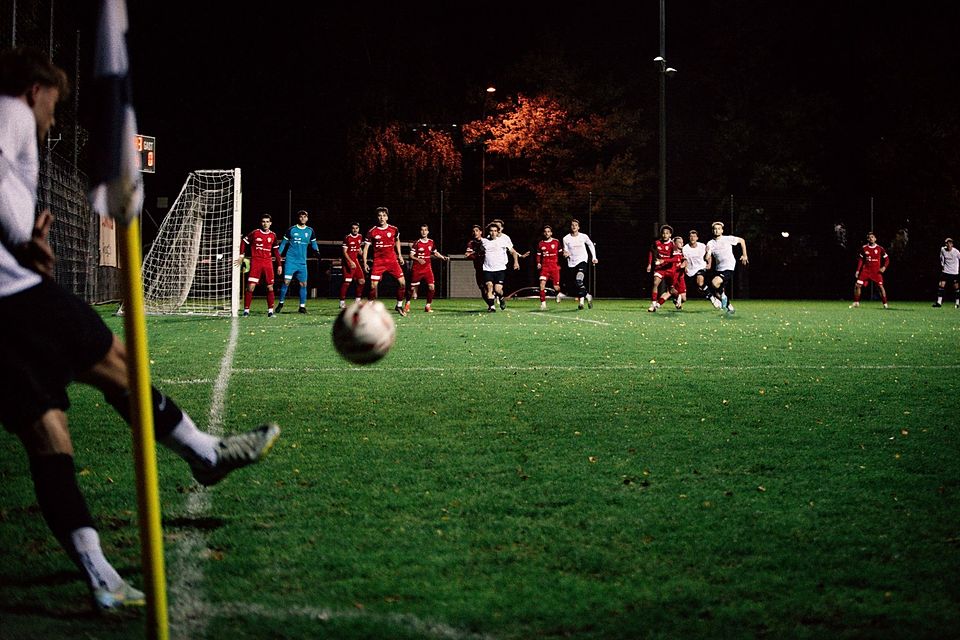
(117, 186)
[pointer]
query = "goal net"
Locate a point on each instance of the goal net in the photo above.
(189, 268)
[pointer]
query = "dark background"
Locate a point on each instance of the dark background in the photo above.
(784, 115)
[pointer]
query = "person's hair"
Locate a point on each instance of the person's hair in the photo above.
(424, 225)
(713, 224)
(666, 226)
(21, 68)
(355, 224)
(383, 209)
(476, 226)
(303, 212)
(871, 233)
(267, 216)
(546, 226)
(493, 225)
(574, 220)
(694, 232)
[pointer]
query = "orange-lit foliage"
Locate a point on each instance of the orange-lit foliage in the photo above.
(393, 156)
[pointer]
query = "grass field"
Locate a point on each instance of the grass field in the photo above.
(790, 471)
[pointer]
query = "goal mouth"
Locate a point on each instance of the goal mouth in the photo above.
(189, 269)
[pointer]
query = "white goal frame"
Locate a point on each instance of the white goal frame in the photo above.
(189, 268)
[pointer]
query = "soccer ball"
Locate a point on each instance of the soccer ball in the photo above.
(364, 331)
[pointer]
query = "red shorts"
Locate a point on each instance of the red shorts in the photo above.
(260, 267)
(349, 275)
(380, 268)
(669, 278)
(551, 272)
(866, 276)
(681, 282)
(421, 273)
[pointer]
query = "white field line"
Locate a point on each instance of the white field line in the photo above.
(599, 367)
(188, 612)
(549, 316)
(404, 621)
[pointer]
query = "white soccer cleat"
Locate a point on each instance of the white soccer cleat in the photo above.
(237, 451)
(652, 308)
(855, 305)
(125, 596)
(343, 304)
(886, 306)
(560, 295)
(589, 301)
(543, 306)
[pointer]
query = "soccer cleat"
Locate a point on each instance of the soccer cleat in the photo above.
(302, 310)
(343, 304)
(491, 309)
(399, 308)
(237, 451)
(589, 301)
(246, 312)
(886, 306)
(559, 295)
(269, 313)
(715, 302)
(579, 306)
(652, 308)
(279, 307)
(427, 309)
(730, 309)
(855, 305)
(937, 305)
(543, 306)
(677, 303)
(406, 307)
(125, 596)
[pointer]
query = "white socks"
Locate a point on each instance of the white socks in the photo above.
(100, 573)
(191, 444)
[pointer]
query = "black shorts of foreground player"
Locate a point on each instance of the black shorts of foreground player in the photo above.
(50, 338)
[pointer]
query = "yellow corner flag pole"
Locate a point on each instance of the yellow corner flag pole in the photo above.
(144, 444)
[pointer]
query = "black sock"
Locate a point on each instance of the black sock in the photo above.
(166, 414)
(61, 503)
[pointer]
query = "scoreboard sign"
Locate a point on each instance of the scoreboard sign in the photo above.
(147, 148)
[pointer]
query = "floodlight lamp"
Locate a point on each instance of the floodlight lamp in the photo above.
(659, 59)
(785, 234)
(670, 71)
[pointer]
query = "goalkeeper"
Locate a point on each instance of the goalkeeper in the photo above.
(65, 340)
(298, 239)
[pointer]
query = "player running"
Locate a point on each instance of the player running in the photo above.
(872, 261)
(387, 258)
(298, 239)
(421, 252)
(475, 252)
(663, 261)
(720, 249)
(575, 246)
(496, 249)
(949, 273)
(352, 270)
(698, 262)
(548, 254)
(263, 248)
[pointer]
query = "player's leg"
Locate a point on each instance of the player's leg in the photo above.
(374, 283)
(344, 286)
(857, 287)
(883, 293)
(956, 292)
(543, 292)
(489, 294)
(941, 286)
(252, 279)
(430, 291)
(580, 280)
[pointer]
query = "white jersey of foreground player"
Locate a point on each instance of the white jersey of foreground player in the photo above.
(496, 252)
(721, 249)
(950, 261)
(19, 168)
(696, 258)
(576, 246)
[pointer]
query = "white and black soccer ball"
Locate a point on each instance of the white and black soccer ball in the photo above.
(364, 332)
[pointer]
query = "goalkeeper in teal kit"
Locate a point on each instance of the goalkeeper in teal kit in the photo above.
(296, 241)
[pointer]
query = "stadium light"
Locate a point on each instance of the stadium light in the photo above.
(785, 234)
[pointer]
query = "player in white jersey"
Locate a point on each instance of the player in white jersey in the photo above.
(949, 273)
(698, 263)
(497, 249)
(720, 249)
(575, 246)
(66, 341)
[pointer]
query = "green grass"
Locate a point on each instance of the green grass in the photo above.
(791, 471)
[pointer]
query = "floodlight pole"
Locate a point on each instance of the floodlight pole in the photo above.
(662, 217)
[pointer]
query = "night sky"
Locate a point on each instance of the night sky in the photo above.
(274, 89)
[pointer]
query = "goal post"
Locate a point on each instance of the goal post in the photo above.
(188, 269)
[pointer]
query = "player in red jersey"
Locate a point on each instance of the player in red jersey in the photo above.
(663, 262)
(352, 270)
(548, 252)
(421, 252)
(387, 258)
(263, 248)
(872, 261)
(679, 270)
